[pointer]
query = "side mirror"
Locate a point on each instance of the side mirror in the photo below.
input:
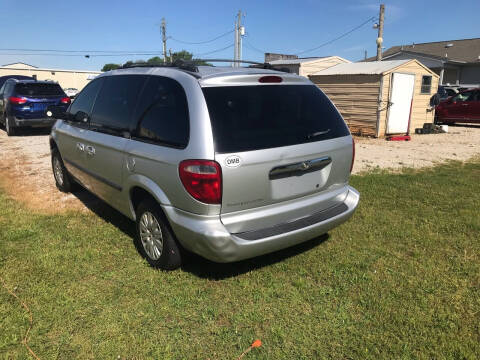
(435, 100)
(81, 117)
(56, 112)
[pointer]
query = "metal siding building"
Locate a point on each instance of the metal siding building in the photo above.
(374, 105)
(66, 78)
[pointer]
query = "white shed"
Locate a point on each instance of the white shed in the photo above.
(308, 66)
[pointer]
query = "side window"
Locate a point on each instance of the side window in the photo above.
(116, 102)
(162, 113)
(464, 96)
(83, 103)
(426, 84)
(8, 88)
(2, 89)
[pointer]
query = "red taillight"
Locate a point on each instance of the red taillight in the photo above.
(65, 100)
(17, 100)
(202, 179)
(353, 154)
(270, 79)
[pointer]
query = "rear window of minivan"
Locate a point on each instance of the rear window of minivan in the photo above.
(246, 118)
(38, 89)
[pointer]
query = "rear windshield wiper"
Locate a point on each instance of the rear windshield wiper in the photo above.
(318, 133)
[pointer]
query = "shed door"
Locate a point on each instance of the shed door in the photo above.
(400, 103)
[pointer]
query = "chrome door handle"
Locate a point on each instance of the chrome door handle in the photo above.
(80, 147)
(90, 150)
(131, 164)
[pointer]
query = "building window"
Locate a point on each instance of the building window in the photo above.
(426, 84)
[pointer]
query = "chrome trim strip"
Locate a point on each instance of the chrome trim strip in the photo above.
(300, 168)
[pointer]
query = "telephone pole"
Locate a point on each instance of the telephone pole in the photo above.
(163, 27)
(380, 32)
(239, 32)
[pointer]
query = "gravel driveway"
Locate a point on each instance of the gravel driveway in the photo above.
(25, 169)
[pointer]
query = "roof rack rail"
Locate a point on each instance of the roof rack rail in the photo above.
(191, 65)
(253, 64)
(179, 63)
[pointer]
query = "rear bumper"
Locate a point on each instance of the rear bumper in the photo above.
(40, 122)
(208, 237)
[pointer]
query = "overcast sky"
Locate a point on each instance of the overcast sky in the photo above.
(275, 26)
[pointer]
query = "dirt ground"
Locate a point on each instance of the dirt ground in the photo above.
(26, 175)
(462, 142)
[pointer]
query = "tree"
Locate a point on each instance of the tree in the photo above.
(156, 60)
(184, 55)
(110, 66)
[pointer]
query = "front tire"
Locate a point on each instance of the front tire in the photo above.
(155, 240)
(63, 180)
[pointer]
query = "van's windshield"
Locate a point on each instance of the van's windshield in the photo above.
(255, 117)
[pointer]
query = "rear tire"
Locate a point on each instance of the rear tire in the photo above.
(11, 131)
(63, 180)
(154, 239)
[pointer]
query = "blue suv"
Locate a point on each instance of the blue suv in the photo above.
(24, 103)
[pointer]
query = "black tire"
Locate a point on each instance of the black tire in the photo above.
(11, 131)
(169, 257)
(63, 179)
(2, 121)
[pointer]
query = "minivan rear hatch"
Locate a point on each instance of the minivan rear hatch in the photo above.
(276, 142)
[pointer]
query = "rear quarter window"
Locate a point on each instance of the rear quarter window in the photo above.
(162, 113)
(246, 118)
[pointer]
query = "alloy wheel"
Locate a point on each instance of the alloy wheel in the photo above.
(151, 235)
(57, 170)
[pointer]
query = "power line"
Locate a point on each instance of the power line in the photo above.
(82, 55)
(98, 53)
(215, 51)
(338, 37)
(81, 51)
(251, 47)
(202, 42)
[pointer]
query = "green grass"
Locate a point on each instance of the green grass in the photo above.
(400, 280)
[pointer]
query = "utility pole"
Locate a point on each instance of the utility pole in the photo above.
(239, 32)
(171, 59)
(380, 32)
(365, 57)
(163, 27)
(235, 45)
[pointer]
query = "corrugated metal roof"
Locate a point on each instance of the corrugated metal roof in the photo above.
(362, 68)
(463, 50)
(296, 61)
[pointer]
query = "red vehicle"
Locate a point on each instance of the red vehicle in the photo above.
(463, 107)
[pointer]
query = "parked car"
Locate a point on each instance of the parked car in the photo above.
(24, 102)
(71, 92)
(446, 91)
(463, 107)
(18, 77)
(229, 163)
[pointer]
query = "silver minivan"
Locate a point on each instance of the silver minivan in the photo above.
(229, 163)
